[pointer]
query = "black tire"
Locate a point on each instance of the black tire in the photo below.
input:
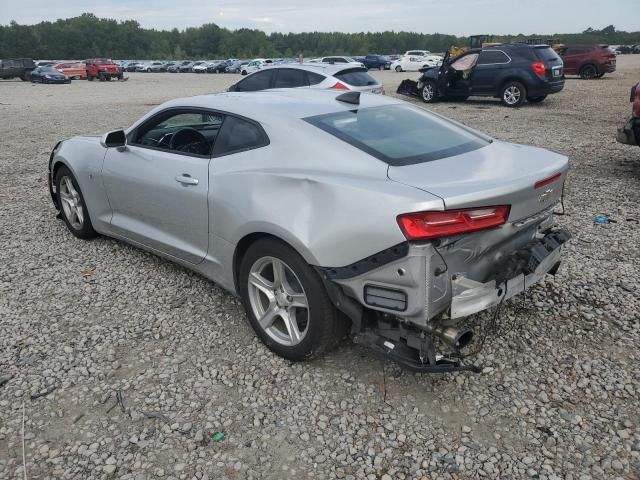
(398, 69)
(588, 72)
(536, 99)
(513, 94)
(85, 230)
(23, 77)
(429, 92)
(89, 77)
(600, 75)
(324, 328)
(381, 67)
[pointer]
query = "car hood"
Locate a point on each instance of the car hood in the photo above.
(499, 173)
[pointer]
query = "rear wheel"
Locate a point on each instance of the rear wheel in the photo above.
(286, 302)
(513, 94)
(587, 72)
(72, 206)
(23, 77)
(536, 99)
(429, 92)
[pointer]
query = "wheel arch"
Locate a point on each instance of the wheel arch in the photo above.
(508, 79)
(249, 239)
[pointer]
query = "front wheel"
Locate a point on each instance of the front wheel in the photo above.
(72, 205)
(286, 302)
(398, 69)
(429, 92)
(536, 99)
(513, 94)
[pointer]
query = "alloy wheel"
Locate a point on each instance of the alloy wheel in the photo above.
(428, 92)
(278, 301)
(512, 95)
(71, 203)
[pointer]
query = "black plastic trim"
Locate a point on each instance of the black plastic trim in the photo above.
(367, 264)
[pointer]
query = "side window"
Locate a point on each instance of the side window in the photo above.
(314, 78)
(186, 132)
(257, 81)
(238, 135)
(488, 57)
(290, 78)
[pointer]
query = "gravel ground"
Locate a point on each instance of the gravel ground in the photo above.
(83, 324)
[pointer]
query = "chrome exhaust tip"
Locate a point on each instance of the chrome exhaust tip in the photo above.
(453, 337)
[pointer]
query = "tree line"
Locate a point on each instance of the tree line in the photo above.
(88, 36)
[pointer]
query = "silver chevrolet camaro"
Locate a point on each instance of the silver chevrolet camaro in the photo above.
(328, 213)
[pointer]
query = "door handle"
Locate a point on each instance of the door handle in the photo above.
(186, 179)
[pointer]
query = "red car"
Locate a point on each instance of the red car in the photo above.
(74, 70)
(630, 133)
(103, 69)
(588, 61)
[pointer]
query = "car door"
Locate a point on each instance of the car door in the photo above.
(157, 185)
(486, 73)
(573, 57)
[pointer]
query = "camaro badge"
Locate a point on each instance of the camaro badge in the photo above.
(545, 195)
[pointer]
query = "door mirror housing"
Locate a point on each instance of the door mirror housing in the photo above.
(115, 138)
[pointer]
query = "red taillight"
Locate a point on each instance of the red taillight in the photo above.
(539, 69)
(340, 86)
(429, 225)
(547, 181)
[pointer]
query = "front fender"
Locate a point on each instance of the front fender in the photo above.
(84, 156)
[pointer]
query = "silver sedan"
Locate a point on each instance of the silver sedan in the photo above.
(328, 213)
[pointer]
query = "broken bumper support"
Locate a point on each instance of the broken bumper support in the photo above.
(526, 267)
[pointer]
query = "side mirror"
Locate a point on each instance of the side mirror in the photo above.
(115, 138)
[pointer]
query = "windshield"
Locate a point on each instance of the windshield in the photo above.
(399, 134)
(48, 70)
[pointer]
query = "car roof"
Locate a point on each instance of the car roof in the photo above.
(326, 68)
(289, 103)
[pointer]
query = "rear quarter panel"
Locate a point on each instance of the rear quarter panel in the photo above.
(330, 201)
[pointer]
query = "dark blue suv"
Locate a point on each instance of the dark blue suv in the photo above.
(379, 62)
(512, 72)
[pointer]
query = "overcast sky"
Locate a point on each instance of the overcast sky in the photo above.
(460, 17)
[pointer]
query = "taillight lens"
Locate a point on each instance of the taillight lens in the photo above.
(539, 69)
(340, 86)
(429, 225)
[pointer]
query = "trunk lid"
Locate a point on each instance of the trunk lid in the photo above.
(498, 174)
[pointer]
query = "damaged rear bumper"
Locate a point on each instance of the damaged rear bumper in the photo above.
(538, 259)
(421, 286)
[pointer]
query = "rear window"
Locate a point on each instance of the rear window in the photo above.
(358, 77)
(398, 134)
(546, 54)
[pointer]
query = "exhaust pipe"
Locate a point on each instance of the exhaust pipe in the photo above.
(452, 336)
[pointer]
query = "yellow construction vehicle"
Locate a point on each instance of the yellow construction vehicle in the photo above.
(475, 41)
